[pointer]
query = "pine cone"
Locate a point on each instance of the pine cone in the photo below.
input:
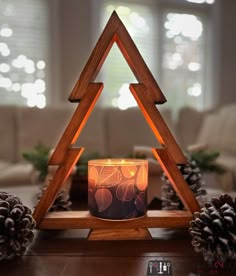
(16, 226)
(62, 201)
(192, 175)
(213, 230)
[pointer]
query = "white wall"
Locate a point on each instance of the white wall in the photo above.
(70, 44)
(227, 50)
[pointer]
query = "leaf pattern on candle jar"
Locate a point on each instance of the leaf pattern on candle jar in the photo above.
(142, 178)
(128, 171)
(125, 190)
(109, 176)
(91, 185)
(93, 175)
(140, 202)
(103, 198)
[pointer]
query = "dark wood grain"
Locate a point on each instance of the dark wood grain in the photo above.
(119, 234)
(65, 253)
(83, 220)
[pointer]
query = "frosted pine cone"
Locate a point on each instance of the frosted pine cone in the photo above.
(193, 176)
(62, 201)
(213, 230)
(16, 226)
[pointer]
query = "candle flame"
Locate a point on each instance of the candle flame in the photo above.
(132, 173)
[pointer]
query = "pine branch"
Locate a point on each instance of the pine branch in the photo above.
(206, 161)
(39, 159)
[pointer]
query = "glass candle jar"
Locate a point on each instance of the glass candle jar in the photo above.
(117, 188)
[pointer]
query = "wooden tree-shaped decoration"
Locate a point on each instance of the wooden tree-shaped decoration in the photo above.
(147, 94)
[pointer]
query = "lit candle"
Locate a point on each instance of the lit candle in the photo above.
(117, 188)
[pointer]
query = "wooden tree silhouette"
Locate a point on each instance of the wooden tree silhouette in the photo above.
(147, 94)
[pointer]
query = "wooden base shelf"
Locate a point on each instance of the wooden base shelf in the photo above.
(119, 234)
(83, 220)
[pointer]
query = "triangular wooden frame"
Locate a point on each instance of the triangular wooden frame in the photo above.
(147, 94)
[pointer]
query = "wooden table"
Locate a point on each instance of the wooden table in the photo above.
(68, 253)
(60, 253)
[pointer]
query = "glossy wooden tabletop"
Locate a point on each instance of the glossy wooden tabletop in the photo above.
(68, 253)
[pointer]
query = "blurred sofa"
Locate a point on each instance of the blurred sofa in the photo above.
(113, 132)
(217, 130)
(109, 132)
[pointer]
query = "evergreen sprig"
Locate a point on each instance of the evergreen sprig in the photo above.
(206, 161)
(38, 157)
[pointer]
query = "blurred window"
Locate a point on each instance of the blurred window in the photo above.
(116, 73)
(172, 40)
(183, 63)
(23, 52)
